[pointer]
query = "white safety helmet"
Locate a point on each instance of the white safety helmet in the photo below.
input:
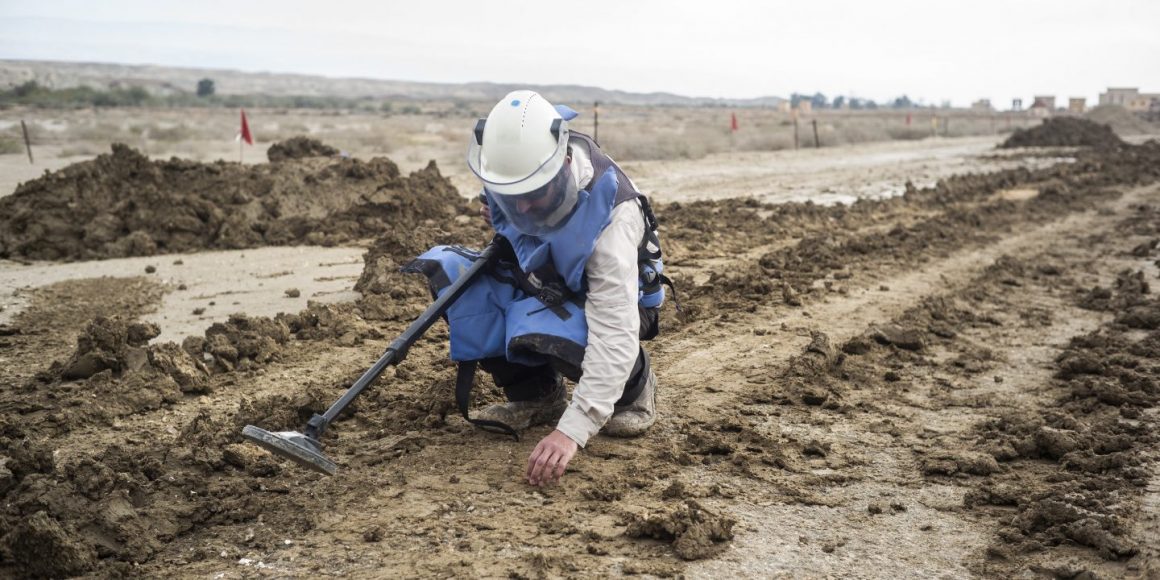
(519, 154)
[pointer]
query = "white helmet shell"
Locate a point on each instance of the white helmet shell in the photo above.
(521, 145)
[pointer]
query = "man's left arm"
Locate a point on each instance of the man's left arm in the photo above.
(613, 343)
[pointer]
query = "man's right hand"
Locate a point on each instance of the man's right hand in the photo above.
(485, 213)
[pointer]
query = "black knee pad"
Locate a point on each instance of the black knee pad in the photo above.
(522, 382)
(636, 380)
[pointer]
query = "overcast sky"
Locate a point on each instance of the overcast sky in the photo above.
(928, 49)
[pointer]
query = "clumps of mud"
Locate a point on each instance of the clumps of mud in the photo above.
(66, 514)
(388, 293)
(124, 204)
(826, 262)
(112, 372)
(1065, 132)
(1130, 298)
(240, 343)
(109, 345)
(44, 549)
(1094, 434)
(344, 324)
(1129, 290)
(299, 147)
(695, 532)
(812, 378)
(123, 502)
(1093, 437)
(838, 245)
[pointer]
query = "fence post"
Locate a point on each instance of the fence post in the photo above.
(596, 121)
(795, 130)
(817, 143)
(27, 143)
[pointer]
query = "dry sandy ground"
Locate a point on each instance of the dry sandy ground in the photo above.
(879, 391)
(206, 287)
(828, 175)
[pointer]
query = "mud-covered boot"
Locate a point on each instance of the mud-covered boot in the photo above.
(520, 415)
(636, 417)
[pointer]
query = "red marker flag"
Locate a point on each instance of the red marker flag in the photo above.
(733, 125)
(246, 136)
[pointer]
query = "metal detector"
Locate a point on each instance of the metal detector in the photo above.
(305, 448)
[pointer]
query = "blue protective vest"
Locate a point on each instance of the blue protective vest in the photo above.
(534, 309)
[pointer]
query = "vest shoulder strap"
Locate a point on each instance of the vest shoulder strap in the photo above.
(601, 162)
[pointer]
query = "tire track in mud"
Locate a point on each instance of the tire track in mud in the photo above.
(873, 252)
(923, 521)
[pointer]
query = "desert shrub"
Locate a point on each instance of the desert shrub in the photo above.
(10, 144)
(170, 134)
(82, 150)
(100, 132)
(911, 133)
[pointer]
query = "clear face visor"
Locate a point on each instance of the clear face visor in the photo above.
(543, 209)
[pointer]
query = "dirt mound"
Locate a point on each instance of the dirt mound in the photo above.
(345, 324)
(44, 549)
(124, 204)
(1130, 290)
(111, 373)
(390, 295)
(241, 343)
(1065, 132)
(122, 503)
(298, 148)
(109, 344)
(1122, 121)
(66, 515)
(695, 532)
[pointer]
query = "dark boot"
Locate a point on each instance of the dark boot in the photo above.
(520, 415)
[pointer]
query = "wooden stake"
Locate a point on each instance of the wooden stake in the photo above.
(596, 121)
(27, 143)
(817, 143)
(795, 131)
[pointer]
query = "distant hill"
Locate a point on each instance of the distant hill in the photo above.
(169, 80)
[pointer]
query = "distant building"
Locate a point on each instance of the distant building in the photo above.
(1042, 105)
(1119, 96)
(783, 106)
(1130, 98)
(1016, 104)
(805, 107)
(1076, 105)
(982, 105)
